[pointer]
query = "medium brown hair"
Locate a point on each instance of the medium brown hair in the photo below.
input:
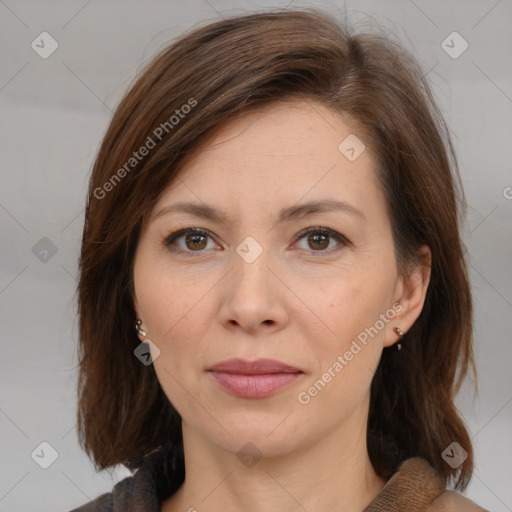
(222, 70)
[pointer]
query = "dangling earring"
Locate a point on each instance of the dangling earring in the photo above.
(401, 334)
(140, 332)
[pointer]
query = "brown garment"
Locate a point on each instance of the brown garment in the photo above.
(415, 487)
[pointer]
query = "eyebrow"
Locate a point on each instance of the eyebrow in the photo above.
(205, 211)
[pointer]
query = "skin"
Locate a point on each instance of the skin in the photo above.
(301, 301)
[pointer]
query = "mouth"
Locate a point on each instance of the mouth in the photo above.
(254, 379)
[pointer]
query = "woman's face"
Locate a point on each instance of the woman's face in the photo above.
(253, 285)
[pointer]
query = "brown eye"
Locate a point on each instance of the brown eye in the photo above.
(195, 241)
(318, 239)
(188, 240)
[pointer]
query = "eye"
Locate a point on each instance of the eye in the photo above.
(319, 238)
(195, 240)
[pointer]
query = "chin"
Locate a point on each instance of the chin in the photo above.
(265, 433)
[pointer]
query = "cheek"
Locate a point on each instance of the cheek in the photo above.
(176, 318)
(350, 345)
(343, 307)
(163, 299)
(346, 360)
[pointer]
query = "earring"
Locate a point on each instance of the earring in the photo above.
(140, 332)
(401, 334)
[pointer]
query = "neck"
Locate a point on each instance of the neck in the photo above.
(334, 473)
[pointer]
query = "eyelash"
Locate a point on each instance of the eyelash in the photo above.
(170, 239)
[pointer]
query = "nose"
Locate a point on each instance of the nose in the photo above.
(254, 298)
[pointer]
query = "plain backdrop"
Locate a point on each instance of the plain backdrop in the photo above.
(54, 112)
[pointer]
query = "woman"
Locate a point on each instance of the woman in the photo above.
(273, 295)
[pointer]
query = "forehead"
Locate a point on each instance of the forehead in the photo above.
(278, 154)
(282, 130)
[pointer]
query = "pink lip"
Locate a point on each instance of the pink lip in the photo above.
(258, 367)
(254, 379)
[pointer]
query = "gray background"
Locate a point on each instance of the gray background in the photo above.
(54, 113)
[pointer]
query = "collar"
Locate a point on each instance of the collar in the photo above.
(411, 488)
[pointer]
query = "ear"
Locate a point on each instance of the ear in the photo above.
(410, 293)
(136, 308)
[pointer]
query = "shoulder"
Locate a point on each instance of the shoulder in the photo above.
(156, 479)
(438, 499)
(122, 493)
(450, 501)
(417, 486)
(103, 503)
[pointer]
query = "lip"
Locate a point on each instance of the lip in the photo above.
(257, 367)
(254, 379)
